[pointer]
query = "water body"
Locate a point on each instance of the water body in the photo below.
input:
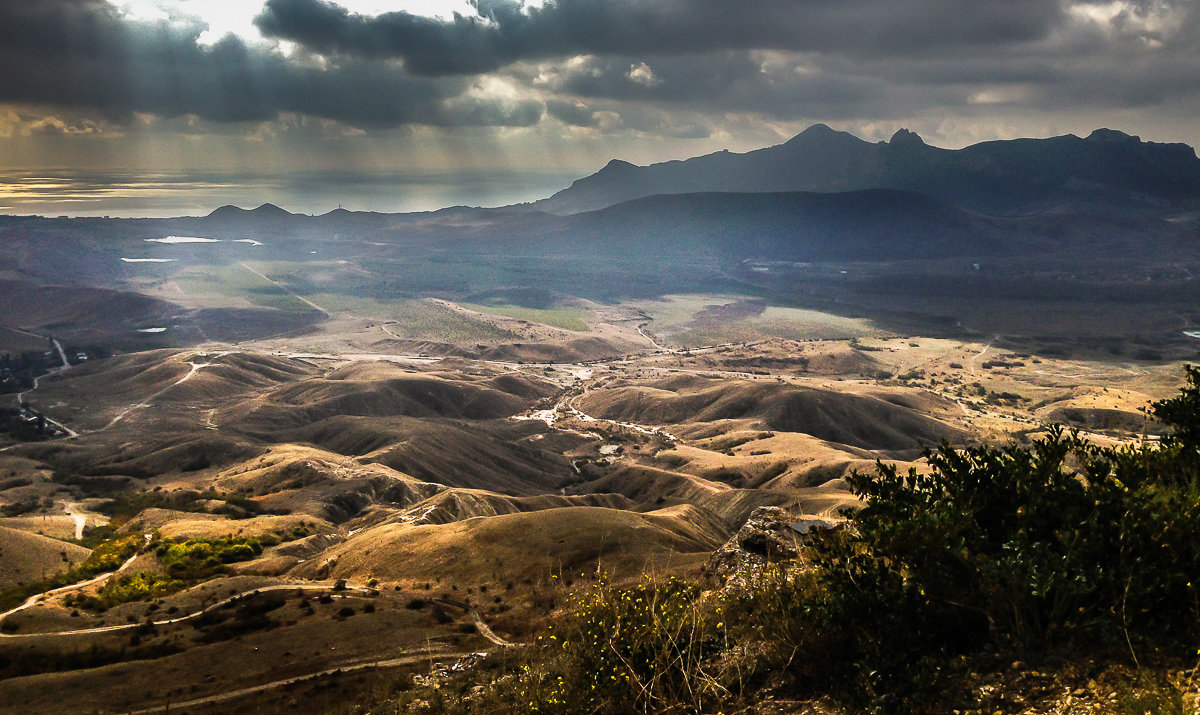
(182, 239)
(196, 193)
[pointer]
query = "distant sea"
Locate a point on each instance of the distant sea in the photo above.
(149, 195)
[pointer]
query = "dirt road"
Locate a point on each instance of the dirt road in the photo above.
(415, 657)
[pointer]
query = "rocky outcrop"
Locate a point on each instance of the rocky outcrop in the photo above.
(769, 534)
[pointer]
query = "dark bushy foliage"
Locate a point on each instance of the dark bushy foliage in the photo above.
(1020, 549)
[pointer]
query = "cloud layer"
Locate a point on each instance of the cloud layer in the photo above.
(504, 32)
(680, 68)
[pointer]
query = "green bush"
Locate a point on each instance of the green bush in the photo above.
(138, 587)
(1019, 549)
(199, 558)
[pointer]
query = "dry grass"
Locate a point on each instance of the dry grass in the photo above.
(26, 557)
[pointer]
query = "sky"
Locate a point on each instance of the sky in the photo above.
(169, 107)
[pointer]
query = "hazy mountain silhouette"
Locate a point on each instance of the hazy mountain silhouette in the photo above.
(867, 225)
(1108, 169)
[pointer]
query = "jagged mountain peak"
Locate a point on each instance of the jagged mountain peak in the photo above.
(905, 137)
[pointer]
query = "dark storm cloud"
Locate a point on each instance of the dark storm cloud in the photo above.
(863, 59)
(502, 32)
(833, 90)
(81, 54)
(576, 114)
(671, 67)
(1138, 60)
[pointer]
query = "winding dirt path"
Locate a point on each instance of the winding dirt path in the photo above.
(38, 597)
(169, 621)
(975, 358)
(80, 519)
(413, 658)
(486, 631)
(654, 342)
(195, 368)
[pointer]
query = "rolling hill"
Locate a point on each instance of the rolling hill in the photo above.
(26, 557)
(859, 421)
(523, 545)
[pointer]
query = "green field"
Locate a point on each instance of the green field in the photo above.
(416, 319)
(234, 280)
(800, 324)
(709, 319)
(676, 312)
(565, 318)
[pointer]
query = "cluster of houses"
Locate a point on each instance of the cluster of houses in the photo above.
(32, 418)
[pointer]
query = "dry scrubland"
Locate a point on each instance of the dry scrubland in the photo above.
(264, 463)
(426, 469)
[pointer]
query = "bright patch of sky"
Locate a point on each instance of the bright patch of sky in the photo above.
(237, 16)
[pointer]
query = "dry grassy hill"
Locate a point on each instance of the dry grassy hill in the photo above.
(28, 557)
(493, 550)
(500, 455)
(68, 308)
(385, 390)
(861, 421)
(453, 505)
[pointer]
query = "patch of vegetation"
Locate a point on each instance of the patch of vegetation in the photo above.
(415, 319)
(15, 483)
(138, 587)
(235, 280)
(1004, 398)
(17, 372)
(32, 661)
(20, 508)
(989, 364)
(200, 558)
(857, 345)
(249, 615)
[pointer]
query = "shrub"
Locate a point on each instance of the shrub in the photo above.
(138, 587)
(1019, 549)
(198, 558)
(106, 556)
(643, 648)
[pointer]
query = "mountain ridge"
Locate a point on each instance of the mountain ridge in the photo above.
(1108, 170)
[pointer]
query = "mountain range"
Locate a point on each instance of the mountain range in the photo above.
(823, 195)
(1108, 170)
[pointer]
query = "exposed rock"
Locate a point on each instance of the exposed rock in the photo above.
(768, 532)
(766, 536)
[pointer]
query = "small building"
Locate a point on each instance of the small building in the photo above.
(805, 527)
